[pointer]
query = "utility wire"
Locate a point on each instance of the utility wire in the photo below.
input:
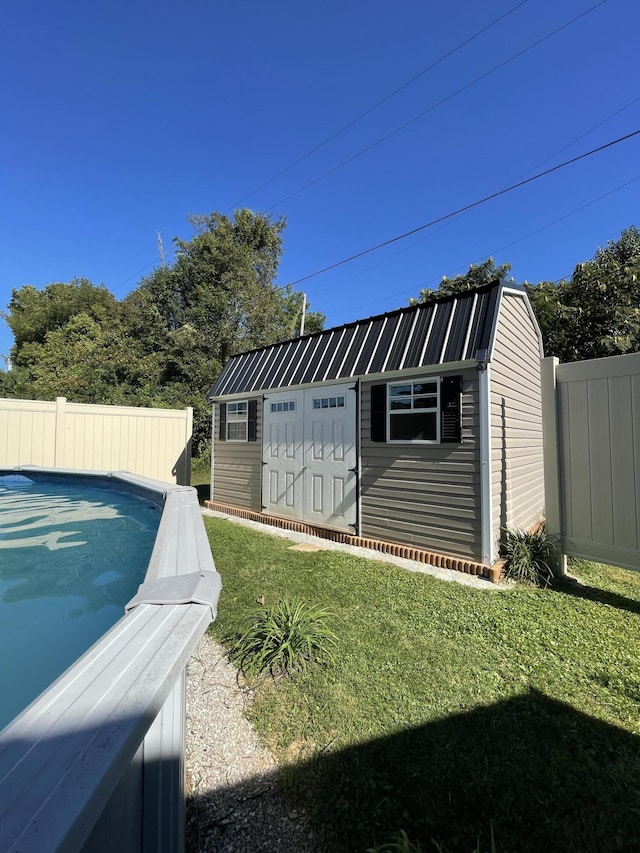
(466, 207)
(435, 106)
(379, 103)
(134, 275)
(401, 127)
(417, 242)
(578, 138)
(494, 252)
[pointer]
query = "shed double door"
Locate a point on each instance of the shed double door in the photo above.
(309, 456)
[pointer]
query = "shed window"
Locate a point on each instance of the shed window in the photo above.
(237, 421)
(425, 411)
(328, 403)
(286, 406)
(414, 410)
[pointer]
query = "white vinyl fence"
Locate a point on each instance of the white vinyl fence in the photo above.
(592, 457)
(154, 443)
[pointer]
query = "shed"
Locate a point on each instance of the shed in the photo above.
(417, 431)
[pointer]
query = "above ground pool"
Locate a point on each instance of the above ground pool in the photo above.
(107, 584)
(72, 554)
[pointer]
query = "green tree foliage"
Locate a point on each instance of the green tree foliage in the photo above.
(596, 312)
(166, 342)
(217, 299)
(476, 276)
(34, 313)
(89, 362)
(593, 314)
(221, 287)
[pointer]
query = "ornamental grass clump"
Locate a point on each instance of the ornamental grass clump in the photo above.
(400, 844)
(284, 639)
(528, 556)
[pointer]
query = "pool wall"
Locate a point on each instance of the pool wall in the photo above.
(96, 762)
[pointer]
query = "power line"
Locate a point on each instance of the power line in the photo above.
(466, 207)
(558, 151)
(518, 177)
(568, 215)
(134, 275)
(494, 252)
(582, 136)
(400, 88)
(379, 104)
(435, 106)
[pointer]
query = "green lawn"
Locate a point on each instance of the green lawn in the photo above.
(451, 710)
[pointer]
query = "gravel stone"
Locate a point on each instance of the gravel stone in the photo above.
(233, 801)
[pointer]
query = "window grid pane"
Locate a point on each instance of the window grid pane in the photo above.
(237, 421)
(328, 403)
(413, 409)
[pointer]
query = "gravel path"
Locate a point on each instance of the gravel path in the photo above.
(233, 803)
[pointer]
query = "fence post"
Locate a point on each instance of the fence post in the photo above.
(59, 460)
(551, 453)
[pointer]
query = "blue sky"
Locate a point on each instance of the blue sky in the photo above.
(120, 119)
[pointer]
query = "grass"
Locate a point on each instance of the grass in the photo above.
(450, 712)
(201, 476)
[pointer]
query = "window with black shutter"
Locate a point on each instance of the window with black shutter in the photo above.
(424, 411)
(414, 406)
(238, 421)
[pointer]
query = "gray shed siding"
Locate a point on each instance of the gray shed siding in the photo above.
(238, 466)
(517, 471)
(424, 495)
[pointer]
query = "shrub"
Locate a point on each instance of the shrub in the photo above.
(528, 556)
(284, 638)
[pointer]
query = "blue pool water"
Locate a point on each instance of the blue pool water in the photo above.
(72, 554)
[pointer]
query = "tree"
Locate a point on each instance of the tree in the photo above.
(476, 276)
(34, 313)
(596, 312)
(166, 342)
(219, 298)
(222, 285)
(89, 362)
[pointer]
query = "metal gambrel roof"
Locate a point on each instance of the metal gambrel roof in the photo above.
(450, 329)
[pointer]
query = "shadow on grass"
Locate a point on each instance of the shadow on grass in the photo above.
(203, 490)
(544, 776)
(579, 589)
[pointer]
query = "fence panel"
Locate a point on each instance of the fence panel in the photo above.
(154, 443)
(592, 457)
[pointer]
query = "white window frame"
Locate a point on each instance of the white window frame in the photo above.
(402, 412)
(334, 401)
(283, 407)
(237, 415)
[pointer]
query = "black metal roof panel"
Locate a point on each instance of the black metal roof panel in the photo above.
(449, 329)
